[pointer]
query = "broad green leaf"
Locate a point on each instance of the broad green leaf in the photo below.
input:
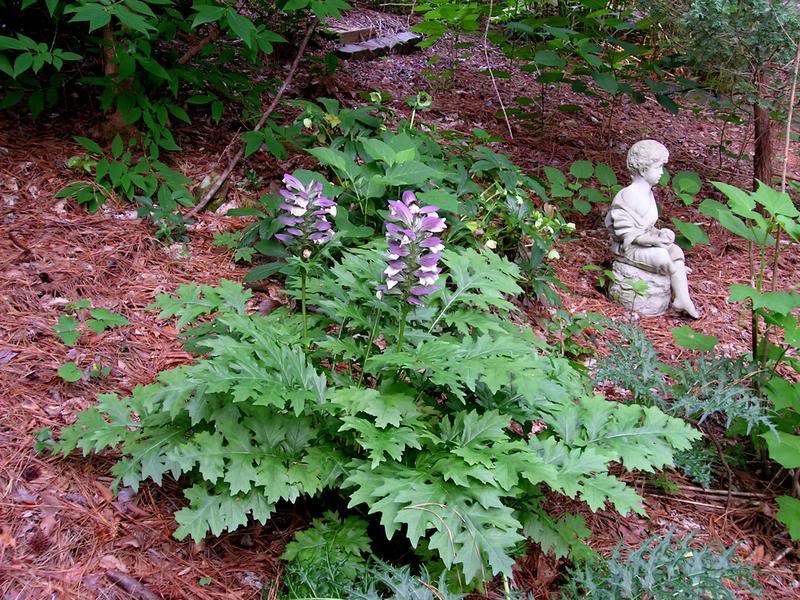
(784, 448)
(739, 200)
(582, 206)
(378, 150)
(789, 514)
(9, 43)
(549, 58)
(582, 169)
(330, 157)
(775, 202)
(253, 141)
(783, 394)
(22, 63)
(606, 81)
(411, 172)
(388, 409)
(131, 20)
(241, 26)
(605, 175)
(687, 182)
(562, 538)
(780, 302)
(693, 232)
(117, 147)
(667, 102)
(70, 372)
(88, 145)
(601, 488)
(555, 176)
(687, 337)
(265, 271)
(206, 14)
(152, 67)
(445, 199)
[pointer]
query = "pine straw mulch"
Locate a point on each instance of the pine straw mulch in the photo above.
(62, 529)
(65, 535)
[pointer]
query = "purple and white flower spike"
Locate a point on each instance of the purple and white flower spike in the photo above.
(414, 250)
(305, 214)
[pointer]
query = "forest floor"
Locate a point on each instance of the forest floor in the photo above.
(65, 535)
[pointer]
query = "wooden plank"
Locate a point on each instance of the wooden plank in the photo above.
(402, 43)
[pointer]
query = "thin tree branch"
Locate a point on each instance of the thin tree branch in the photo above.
(792, 98)
(215, 187)
(211, 36)
(491, 73)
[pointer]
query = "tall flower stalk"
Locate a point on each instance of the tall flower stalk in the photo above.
(304, 216)
(414, 252)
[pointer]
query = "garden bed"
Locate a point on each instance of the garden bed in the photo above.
(65, 532)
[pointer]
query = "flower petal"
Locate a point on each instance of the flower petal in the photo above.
(424, 290)
(429, 260)
(432, 224)
(289, 221)
(400, 211)
(293, 182)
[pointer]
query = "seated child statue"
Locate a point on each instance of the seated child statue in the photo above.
(631, 222)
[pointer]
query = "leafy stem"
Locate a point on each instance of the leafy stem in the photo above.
(402, 327)
(303, 276)
(368, 349)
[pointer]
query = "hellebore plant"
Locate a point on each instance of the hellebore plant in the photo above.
(305, 212)
(414, 253)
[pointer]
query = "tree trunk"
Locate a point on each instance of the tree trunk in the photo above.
(762, 155)
(114, 123)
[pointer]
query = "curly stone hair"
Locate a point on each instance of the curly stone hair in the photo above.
(644, 154)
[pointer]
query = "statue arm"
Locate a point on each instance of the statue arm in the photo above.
(651, 237)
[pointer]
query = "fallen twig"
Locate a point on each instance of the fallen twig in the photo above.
(780, 556)
(702, 491)
(215, 187)
(134, 587)
(696, 503)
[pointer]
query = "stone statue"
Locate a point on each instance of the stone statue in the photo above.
(641, 250)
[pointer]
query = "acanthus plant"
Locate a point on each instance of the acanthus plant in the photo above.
(413, 253)
(419, 432)
(305, 215)
(305, 227)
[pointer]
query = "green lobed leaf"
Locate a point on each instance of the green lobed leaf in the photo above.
(67, 330)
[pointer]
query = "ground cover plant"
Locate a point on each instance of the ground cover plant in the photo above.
(418, 431)
(376, 376)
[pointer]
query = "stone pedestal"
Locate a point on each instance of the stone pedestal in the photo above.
(658, 295)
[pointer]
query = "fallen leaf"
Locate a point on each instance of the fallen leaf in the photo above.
(104, 491)
(109, 561)
(6, 539)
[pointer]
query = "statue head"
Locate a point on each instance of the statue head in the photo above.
(646, 154)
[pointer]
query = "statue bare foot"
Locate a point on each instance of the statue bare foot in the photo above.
(687, 307)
